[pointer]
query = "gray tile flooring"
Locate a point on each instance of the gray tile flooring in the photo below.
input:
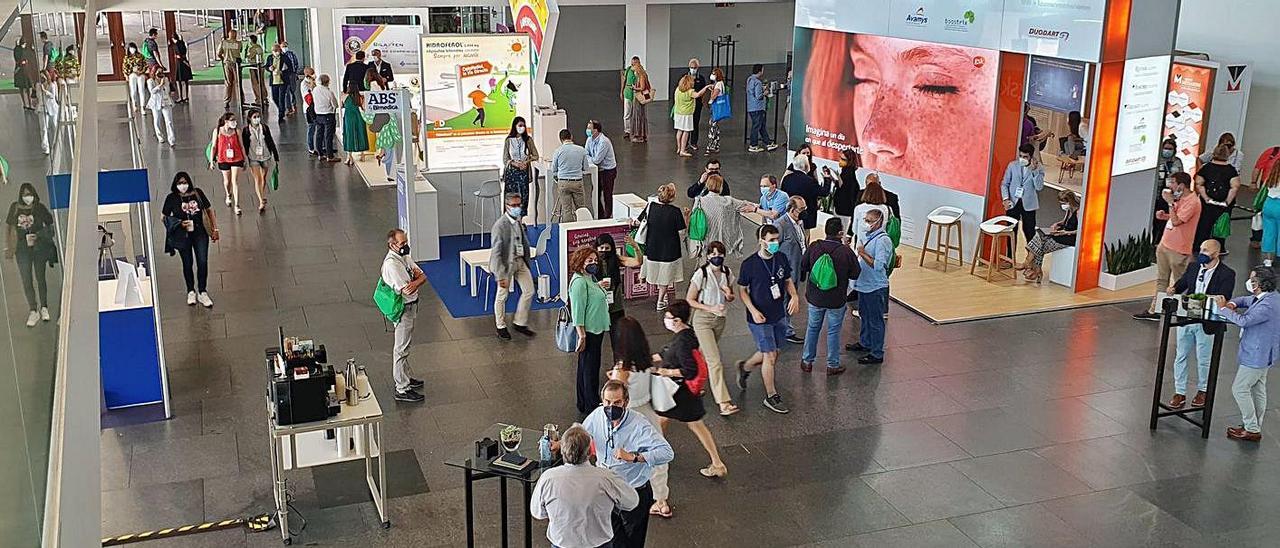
(1025, 431)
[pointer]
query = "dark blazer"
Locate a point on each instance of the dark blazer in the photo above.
(795, 183)
(355, 73)
(699, 82)
(266, 136)
(384, 70)
(1223, 282)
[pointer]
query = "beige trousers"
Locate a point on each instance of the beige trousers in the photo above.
(1169, 266)
(709, 328)
(519, 275)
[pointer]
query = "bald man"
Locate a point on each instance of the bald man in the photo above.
(699, 82)
(1208, 276)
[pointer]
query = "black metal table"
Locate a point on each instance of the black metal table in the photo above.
(1174, 316)
(473, 470)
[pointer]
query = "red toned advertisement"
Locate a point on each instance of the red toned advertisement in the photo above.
(1187, 110)
(916, 110)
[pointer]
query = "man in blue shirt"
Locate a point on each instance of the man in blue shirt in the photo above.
(1258, 316)
(765, 281)
(872, 286)
(567, 165)
(773, 201)
(600, 152)
(629, 445)
(756, 104)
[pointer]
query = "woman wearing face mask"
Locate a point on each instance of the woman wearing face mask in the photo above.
(228, 157)
(633, 364)
(610, 279)
(1168, 164)
(261, 148)
(847, 192)
(135, 65)
(182, 70)
(518, 156)
(710, 292)
(724, 219)
(677, 361)
(1217, 183)
(663, 247)
(23, 75)
(1059, 236)
(637, 124)
(873, 197)
(1234, 156)
(48, 110)
(161, 106)
(30, 240)
(713, 128)
(189, 227)
(589, 308)
(354, 136)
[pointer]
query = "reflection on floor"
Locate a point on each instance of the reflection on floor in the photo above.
(957, 296)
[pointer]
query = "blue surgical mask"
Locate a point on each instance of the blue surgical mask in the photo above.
(614, 412)
(593, 269)
(764, 191)
(515, 211)
(589, 133)
(771, 247)
(1203, 258)
(1166, 153)
(716, 261)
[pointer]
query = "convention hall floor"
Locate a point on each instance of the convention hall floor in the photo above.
(1025, 431)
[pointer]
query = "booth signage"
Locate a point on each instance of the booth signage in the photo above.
(1186, 110)
(1068, 29)
(398, 44)
(1138, 124)
(1056, 84)
(959, 22)
(381, 101)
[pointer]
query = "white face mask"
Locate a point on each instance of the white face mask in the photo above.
(520, 130)
(713, 77)
(232, 124)
(868, 226)
(1024, 161)
(670, 324)
(1066, 207)
(1250, 286)
(28, 199)
(282, 50)
(255, 120)
(693, 70)
(183, 187)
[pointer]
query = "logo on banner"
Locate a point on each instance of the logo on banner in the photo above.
(381, 101)
(354, 44)
(1235, 77)
(1048, 34)
(918, 18)
(959, 24)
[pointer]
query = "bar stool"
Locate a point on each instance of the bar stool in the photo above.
(997, 230)
(490, 192)
(945, 217)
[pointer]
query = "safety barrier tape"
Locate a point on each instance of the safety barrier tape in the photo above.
(264, 522)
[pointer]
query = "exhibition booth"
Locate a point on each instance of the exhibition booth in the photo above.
(933, 95)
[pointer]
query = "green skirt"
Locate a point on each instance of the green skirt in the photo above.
(354, 137)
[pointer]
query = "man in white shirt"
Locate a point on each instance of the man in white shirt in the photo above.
(405, 277)
(325, 104)
(579, 498)
(1206, 276)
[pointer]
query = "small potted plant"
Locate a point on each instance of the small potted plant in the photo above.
(510, 436)
(1196, 303)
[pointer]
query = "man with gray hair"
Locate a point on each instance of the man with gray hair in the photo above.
(579, 498)
(404, 277)
(509, 256)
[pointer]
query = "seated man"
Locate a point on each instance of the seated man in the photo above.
(1208, 276)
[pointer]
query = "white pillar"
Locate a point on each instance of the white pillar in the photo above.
(325, 43)
(648, 36)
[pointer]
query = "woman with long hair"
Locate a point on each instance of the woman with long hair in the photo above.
(632, 362)
(686, 101)
(847, 191)
(610, 277)
(374, 81)
(354, 137)
(189, 227)
(710, 292)
(261, 149)
(29, 239)
(182, 74)
(161, 105)
(873, 197)
(678, 361)
(518, 156)
(637, 126)
(1059, 236)
(1271, 215)
(589, 309)
(713, 128)
(228, 157)
(48, 110)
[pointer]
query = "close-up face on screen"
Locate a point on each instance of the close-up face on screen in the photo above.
(916, 110)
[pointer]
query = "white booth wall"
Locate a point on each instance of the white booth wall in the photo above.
(1241, 31)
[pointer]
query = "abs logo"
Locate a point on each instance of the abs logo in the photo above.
(381, 101)
(918, 18)
(1048, 34)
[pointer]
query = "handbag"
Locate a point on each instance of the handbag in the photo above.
(644, 96)
(662, 393)
(698, 385)
(642, 231)
(1222, 227)
(566, 332)
(274, 181)
(721, 108)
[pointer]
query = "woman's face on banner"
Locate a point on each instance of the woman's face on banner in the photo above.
(923, 111)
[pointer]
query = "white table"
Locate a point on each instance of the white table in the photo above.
(627, 206)
(304, 445)
(468, 262)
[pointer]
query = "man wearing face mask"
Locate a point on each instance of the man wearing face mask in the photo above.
(1207, 276)
(1173, 253)
(291, 65)
(600, 152)
(405, 277)
(1258, 316)
(509, 257)
(773, 201)
(699, 82)
(1169, 164)
(765, 281)
(629, 445)
(1020, 189)
(872, 286)
(383, 67)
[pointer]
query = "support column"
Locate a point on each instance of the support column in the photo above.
(648, 36)
(325, 45)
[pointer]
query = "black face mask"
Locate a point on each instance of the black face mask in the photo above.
(404, 250)
(614, 412)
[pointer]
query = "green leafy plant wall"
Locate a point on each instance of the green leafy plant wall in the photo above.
(1130, 254)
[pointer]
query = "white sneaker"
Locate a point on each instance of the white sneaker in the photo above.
(228, 200)
(32, 318)
(191, 298)
(44, 313)
(159, 139)
(205, 300)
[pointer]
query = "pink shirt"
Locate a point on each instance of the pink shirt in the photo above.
(1179, 238)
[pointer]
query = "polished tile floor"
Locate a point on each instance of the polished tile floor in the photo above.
(1025, 431)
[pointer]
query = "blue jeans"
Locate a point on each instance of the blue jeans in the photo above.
(279, 92)
(326, 124)
(758, 134)
(1189, 335)
(835, 320)
(872, 307)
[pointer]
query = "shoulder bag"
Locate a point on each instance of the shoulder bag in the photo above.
(662, 393)
(389, 302)
(566, 332)
(642, 231)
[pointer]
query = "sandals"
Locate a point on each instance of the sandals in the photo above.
(661, 509)
(714, 471)
(729, 409)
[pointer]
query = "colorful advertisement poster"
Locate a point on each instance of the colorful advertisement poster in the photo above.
(1138, 124)
(473, 87)
(1056, 84)
(398, 44)
(1187, 109)
(530, 17)
(916, 110)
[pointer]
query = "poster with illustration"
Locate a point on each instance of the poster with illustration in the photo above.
(398, 44)
(1187, 110)
(473, 87)
(916, 110)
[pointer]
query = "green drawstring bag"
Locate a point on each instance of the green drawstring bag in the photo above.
(389, 302)
(1222, 227)
(274, 181)
(697, 223)
(894, 229)
(208, 152)
(1260, 200)
(823, 273)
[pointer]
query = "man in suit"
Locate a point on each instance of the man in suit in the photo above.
(384, 68)
(509, 261)
(1208, 276)
(699, 82)
(1258, 316)
(792, 243)
(798, 183)
(355, 73)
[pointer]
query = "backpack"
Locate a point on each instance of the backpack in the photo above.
(894, 229)
(389, 302)
(823, 273)
(895, 260)
(697, 222)
(698, 385)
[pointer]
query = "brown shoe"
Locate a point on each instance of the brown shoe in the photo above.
(1178, 401)
(1198, 400)
(1239, 433)
(807, 367)
(833, 371)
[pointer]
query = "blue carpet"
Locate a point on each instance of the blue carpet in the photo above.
(443, 276)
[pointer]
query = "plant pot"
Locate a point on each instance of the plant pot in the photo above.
(1128, 279)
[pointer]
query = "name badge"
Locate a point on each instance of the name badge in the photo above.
(1017, 194)
(608, 297)
(231, 153)
(776, 291)
(260, 151)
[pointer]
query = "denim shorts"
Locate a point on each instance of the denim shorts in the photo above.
(768, 335)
